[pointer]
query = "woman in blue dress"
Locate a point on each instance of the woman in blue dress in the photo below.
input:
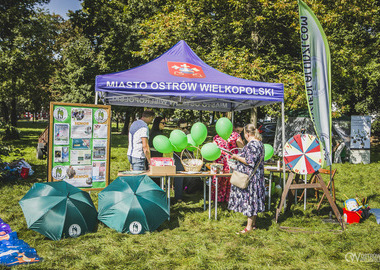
(250, 200)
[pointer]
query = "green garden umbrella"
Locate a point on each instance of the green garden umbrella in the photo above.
(133, 204)
(58, 209)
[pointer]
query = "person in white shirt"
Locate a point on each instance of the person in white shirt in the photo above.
(138, 142)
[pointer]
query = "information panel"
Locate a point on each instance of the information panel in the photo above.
(79, 144)
(360, 132)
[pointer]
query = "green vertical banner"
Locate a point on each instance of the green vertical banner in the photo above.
(317, 71)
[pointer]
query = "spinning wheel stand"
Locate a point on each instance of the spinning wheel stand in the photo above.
(292, 184)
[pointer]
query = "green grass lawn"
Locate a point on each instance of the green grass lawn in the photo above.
(191, 241)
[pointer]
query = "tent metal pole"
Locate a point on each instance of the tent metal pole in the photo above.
(96, 97)
(283, 145)
(232, 117)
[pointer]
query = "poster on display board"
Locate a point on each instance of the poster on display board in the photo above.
(79, 144)
(360, 132)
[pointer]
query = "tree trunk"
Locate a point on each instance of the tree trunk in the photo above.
(127, 120)
(14, 112)
(117, 122)
(5, 112)
(253, 118)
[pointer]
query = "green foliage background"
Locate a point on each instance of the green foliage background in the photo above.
(45, 58)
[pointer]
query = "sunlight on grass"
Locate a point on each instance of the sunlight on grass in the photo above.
(190, 240)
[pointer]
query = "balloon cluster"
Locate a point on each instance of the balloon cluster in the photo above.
(178, 140)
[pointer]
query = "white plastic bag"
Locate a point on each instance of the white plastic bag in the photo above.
(23, 164)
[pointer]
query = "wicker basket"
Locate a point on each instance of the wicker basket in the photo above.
(193, 163)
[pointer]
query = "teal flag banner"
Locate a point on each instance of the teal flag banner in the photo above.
(317, 71)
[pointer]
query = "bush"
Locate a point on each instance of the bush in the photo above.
(375, 127)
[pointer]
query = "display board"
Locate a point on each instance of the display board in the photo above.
(79, 144)
(360, 132)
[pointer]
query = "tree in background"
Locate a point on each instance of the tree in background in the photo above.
(74, 80)
(26, 57)
(255, 40)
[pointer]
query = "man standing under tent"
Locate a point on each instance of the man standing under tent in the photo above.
(138, 144)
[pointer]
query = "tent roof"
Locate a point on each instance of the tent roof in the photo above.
(180, 79)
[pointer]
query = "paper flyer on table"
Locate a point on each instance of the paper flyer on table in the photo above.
(99, 149)
(61, 134)
(80, 157)
(100, 131)
(98, 171)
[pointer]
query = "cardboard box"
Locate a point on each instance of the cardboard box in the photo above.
(162, 170)
(161, 161)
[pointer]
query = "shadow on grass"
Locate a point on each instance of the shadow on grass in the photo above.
(192, 203)
(325, 213)
(373, 197)
(118, 140)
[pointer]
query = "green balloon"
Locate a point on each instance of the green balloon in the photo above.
(191, 144)
(268, 151)
(210, 151)
(224, 128)
(278, 190)
(162, 144)
(199, 133)
(176, 149)
(178, 138)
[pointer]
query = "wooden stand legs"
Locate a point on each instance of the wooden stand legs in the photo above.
(292, 184)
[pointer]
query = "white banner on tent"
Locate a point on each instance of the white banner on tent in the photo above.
(167, 103)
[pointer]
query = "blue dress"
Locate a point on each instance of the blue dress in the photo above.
(250, 200)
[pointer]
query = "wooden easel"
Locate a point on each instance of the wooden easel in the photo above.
(292, 184)
(329, 185)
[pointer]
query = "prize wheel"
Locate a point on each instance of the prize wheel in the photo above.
(302, 154)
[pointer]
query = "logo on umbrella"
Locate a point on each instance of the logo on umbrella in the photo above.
(135, 227)
(58, 209)
(133, 204)
(74, 230)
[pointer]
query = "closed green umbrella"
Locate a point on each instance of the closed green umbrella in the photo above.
(133, 204)
(58, 209)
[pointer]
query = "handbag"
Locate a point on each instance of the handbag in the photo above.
(240, 179)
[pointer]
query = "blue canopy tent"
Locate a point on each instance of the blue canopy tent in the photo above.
(180, 79)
